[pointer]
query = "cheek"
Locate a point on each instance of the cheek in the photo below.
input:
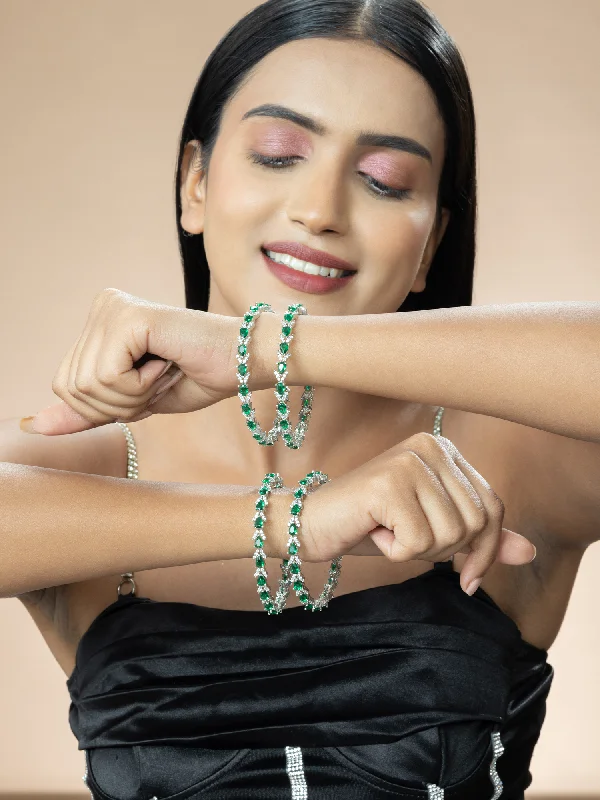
(398, 239)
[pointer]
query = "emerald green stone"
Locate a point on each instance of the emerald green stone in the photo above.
(269, 606)
(299, 493)
(261, 580)
(243, 332)
(309, 607)
(244, 391)
(284, 424)
(333, 567)
(252, 424)
(296, 508)
(288, 437)
(242, 369)
(282, 408)
(303, 482)
(259, 522)
(288, 317)
(295, 569)
(303, 417)
(257, 436)
(242, 350)
(286, 330)
(260, 562)
(294, 447)
(293, 529)
(303, 598)
(248, 318)
(308, 388)
(246, 408)
(306, 402)
(264, 595)
(280, 388)
(260, 504)
(284, 347)
(298, 586)
(258, 542)
(271, 475)
(293, 549)
(281, 367)
(263, 490)
(285, 562)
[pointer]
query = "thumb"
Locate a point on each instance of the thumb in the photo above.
(57, 419)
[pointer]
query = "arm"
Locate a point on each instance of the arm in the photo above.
(536, 364)
(60, 527)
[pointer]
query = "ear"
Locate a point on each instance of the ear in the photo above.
(192, 188)
(435, 237)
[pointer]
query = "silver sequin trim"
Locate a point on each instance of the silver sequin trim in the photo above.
(295, 770)
(85, 775)
(434, 792)
(498, 750)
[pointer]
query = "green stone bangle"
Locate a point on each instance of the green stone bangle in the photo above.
(291, 567)
(292, 438)
(243, 374)
(272, 480)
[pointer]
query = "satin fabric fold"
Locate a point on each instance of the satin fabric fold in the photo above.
(403, 682)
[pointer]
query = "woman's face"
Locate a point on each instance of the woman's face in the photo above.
(370, 204)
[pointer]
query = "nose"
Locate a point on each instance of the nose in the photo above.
(317, 198)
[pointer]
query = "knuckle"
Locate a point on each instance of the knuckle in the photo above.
(497, 505)
(83, 384)
(477, 519)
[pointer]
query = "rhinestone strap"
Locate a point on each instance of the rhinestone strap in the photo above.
(498, 750)
(295, 770)
(132, 472)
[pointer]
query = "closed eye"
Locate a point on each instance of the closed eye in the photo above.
(281, 162)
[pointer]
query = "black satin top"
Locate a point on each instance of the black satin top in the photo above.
(387, 690)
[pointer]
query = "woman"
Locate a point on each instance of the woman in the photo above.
(404, 684)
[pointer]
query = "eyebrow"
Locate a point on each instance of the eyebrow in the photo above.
(371, 138)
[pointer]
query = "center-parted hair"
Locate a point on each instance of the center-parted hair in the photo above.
(405, 28)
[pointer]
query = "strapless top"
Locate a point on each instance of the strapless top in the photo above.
(410, 690)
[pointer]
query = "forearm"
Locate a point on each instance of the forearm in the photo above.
(60, 527)
(536, 364)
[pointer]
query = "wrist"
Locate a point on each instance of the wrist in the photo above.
(276, 529)
(265, 347)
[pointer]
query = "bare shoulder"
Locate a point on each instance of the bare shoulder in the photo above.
(100, 451)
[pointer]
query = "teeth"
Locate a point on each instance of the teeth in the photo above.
(304, 266)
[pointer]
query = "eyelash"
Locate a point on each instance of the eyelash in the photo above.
(379, 189)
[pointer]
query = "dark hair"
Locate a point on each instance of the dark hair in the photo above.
(410, 31)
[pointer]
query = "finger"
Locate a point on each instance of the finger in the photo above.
(488, 545)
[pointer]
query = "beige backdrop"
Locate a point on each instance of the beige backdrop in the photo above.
(92, 97)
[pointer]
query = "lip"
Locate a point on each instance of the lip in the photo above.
(301, 281)
(305, 253)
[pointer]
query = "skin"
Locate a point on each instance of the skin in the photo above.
(325, 201)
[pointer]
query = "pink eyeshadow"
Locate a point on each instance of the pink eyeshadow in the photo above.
(385, 168)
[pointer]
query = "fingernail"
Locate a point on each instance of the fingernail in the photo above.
(27, 425)
(166, 369)
(473, 586)
(534, 554)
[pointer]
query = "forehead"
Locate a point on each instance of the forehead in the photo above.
(349, 86)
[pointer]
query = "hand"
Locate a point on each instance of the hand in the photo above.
(98, 379)
(418, 500)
